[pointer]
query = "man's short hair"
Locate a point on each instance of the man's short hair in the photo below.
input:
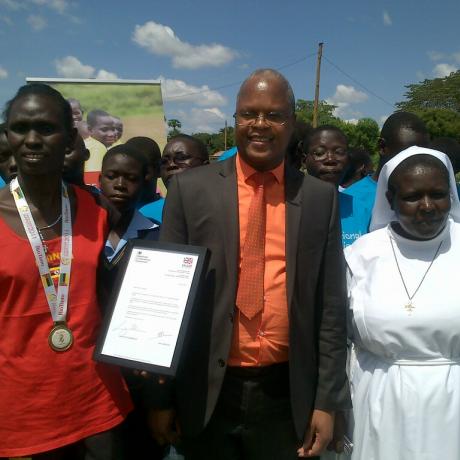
(148, 147)
(307, 139)
(399, 120)
(201, 147)
(127, 151)
(92, 117)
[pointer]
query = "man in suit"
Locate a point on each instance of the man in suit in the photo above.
(263, 371)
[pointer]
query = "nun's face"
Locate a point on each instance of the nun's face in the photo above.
(421, 202)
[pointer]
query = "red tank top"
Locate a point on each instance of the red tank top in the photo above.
(50, 399)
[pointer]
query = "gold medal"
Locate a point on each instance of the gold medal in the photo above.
(60, 337)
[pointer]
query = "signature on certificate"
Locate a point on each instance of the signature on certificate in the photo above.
(160, 335)
(128, 329)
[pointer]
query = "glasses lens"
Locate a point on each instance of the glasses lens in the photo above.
(322, 154)
(275, 118)
(245, 118)
(249, 118)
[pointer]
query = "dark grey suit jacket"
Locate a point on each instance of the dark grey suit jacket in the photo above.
(202, 209)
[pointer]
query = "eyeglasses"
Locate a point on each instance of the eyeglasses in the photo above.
(179, 159)
(321, 154)
(251, 118)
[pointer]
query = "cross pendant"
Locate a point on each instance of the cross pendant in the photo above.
(409, 307)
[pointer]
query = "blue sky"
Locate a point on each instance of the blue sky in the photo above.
(203, 49)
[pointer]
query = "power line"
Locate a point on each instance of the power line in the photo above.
(228, 85)
(296, 62)
(357, 82)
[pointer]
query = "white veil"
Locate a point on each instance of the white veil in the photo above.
(382, 214)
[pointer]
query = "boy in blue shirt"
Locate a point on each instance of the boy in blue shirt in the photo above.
(326, 157)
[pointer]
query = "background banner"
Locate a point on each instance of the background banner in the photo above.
(109, 112)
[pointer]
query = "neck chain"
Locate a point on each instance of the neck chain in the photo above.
(409, 305)
(39, 230)
(53, 224)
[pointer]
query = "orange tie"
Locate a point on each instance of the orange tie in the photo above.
(250, 295)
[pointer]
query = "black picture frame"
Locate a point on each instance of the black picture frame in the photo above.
(137, 244)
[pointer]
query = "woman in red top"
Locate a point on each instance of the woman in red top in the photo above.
(54, 399)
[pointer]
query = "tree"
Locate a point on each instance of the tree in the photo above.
(219, 139)
(206, 138)
(216, 141)
(438, 93)
(363, 134)
(441, 122)
(304, 112)
(175, 126)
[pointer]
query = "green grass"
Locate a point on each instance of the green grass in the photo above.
(120, 100)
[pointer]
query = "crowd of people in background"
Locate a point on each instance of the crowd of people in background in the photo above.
(99, 125)
(99, 130)
(324, 263)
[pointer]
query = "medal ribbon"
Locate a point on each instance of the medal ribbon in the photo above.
(56, 302)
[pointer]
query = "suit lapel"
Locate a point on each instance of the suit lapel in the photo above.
(293, 189)
(228, 208)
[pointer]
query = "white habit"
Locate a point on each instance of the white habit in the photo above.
(406, 376)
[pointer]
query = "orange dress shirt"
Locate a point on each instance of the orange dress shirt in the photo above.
(264, 339)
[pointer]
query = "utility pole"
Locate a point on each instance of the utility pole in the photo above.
(318, 76)
(225, 136)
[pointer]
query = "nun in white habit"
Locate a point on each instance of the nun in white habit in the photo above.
(404, 290)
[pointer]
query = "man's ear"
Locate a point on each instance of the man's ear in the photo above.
(390, 198)
(87, 154)
(381, 144)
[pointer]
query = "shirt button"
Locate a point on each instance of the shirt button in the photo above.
(221, 362)
(261, 333)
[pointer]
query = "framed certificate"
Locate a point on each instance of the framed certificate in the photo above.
(151, 304)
